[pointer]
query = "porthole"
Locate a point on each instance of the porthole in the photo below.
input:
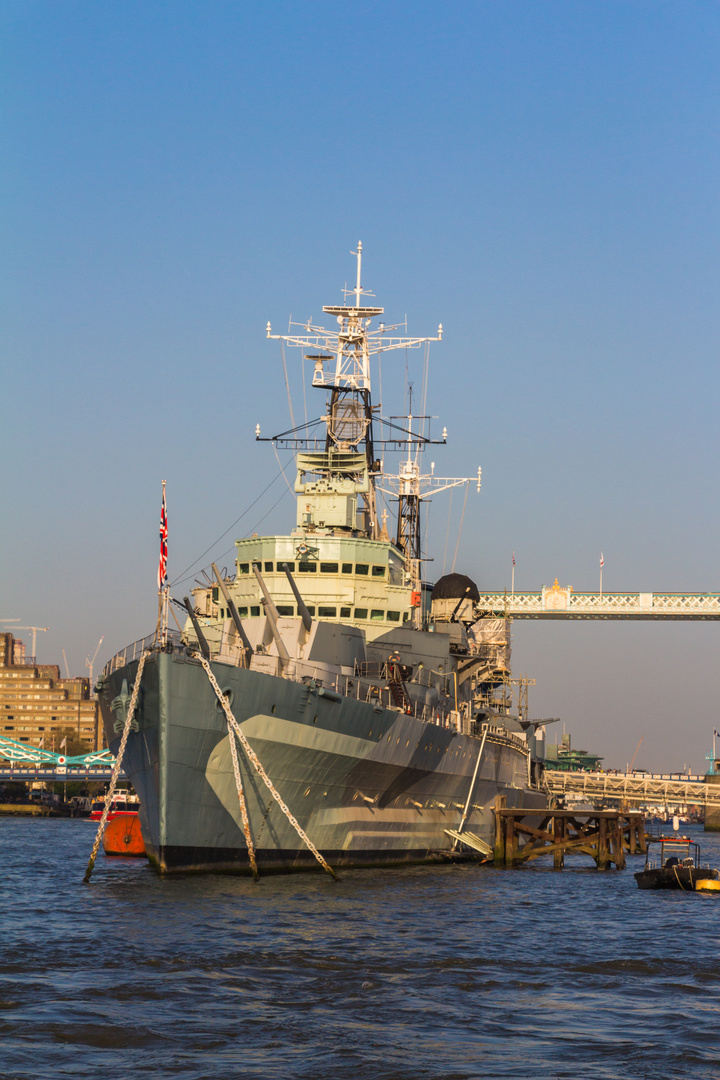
(307, 792)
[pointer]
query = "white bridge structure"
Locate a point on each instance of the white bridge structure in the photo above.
(562, 602)
(656, 789)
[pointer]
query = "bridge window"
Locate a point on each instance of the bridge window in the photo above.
(307, 568)
(393, 616)
(328, 568)
(243, 568)
(378, 571)
(311, 609)
(285, 609)
(345, 612)
(362, 569)
(327, 612)
(215, 595)
(255, 611)
(290, 566)
(242, 612)
(361, 613)
(377, 615)
(347, 568)
(406, 616)
(268, 567)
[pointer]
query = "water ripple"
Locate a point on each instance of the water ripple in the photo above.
(451, 973)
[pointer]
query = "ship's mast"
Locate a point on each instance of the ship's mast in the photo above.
(344, 459)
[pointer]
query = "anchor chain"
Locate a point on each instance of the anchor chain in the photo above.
(239, 786)
(235, 727)
(116, 769)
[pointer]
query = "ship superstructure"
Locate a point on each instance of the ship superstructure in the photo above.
(343, 559)
(369, 702)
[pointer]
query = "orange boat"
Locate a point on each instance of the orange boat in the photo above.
(122, 836)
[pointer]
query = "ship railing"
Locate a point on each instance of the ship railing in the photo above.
(499, 733)
(137, 648)
(359, 687)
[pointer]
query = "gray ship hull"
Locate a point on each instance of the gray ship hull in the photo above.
(369, 785)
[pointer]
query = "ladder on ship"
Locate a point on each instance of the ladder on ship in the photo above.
(396, 682)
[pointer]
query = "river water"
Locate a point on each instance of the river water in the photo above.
(455, 973)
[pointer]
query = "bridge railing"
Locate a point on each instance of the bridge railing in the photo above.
(632, 787)
(563, 601)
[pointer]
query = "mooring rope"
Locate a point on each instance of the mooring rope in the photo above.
(235, 727)
(118, 766)
(677, 876)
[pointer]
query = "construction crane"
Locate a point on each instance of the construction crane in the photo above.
(67, 667)
(34, 634)
(89, 664)
(630, 766)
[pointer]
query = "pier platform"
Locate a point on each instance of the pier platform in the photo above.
(604, 835)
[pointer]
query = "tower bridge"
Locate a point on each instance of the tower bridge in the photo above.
(26, 763)
(562, 602)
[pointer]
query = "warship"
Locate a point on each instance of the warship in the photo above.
(324, 704)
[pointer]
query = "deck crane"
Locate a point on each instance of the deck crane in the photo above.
(89, 663)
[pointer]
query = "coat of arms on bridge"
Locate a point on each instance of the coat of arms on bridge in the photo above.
(556, 598)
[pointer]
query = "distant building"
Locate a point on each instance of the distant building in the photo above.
(562, 756)
(35, 703)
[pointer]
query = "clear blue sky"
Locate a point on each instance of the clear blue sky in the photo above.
(542, 178)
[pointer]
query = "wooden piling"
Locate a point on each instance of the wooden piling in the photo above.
(559, 832)
(604, 835)
(500, 804)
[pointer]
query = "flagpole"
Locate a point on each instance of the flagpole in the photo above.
(163, 587)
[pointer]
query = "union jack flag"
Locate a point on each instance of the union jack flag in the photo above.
(162, 565)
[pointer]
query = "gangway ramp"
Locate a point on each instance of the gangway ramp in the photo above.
(471, 840)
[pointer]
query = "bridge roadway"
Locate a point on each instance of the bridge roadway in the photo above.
(657, 789)
(562, 602)
(29, 774)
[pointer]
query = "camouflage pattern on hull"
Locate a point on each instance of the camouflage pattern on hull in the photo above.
(370, 785)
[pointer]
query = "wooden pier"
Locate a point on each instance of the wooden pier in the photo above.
(604, 835)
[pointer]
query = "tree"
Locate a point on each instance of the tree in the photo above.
(74, 745)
